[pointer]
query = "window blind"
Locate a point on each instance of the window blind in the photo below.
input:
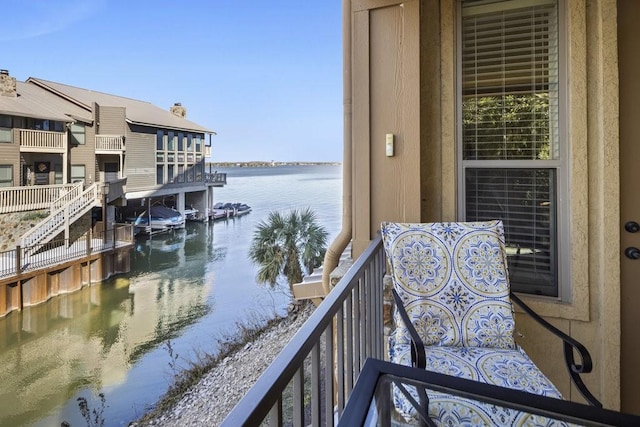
(510, 80)
(509, 89)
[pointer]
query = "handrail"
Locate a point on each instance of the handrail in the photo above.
(42, 255)
(66, 197)
(29, 198)
(49, 227)
(353, 310)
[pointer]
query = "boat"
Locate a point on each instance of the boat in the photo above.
(190, 213)
(227, 210)
(161, 219)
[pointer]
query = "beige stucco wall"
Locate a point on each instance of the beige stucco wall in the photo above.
(590, 312)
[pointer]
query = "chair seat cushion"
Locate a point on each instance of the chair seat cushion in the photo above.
(502, 367)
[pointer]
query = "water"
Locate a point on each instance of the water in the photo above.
(126, 336)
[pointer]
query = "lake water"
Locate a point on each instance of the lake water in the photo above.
(127, 336)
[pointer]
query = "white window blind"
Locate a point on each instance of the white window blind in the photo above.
(510, 120)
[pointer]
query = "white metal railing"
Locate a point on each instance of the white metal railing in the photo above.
(43, 139)
(349, 323)
(61, 218)
(20, 199)
(109, 143)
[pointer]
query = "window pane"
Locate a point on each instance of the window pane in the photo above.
(77, 133)
(6, 135)
(510, 81)
(160, 174)
(160, 140)
(77, 173)
(6, 176)
(524, 199)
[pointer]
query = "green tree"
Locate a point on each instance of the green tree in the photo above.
(291, 245)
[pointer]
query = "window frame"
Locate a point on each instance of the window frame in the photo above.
(6, 181)
(560, 164)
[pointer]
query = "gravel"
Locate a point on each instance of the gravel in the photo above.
(218, 391)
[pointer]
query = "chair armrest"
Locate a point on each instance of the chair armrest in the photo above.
(418, 358)
(569, 345)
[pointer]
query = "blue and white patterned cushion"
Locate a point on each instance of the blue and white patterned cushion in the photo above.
(453, 280)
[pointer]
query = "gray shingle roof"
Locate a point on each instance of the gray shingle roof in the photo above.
(35, 102)
(137, 112)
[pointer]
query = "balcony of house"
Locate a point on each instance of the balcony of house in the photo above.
(109, 144)
(42, 141)
(336, 370)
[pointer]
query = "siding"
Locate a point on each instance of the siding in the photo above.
(10, 155)
(111, 120)
(85, 155)
(140, 160)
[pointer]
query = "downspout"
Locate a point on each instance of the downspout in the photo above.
(332, 256)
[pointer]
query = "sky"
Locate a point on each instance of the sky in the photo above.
(266, 76)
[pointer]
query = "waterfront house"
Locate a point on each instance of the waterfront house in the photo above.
(521, 110)
(81, 156)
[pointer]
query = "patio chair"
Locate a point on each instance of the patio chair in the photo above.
(454, 315)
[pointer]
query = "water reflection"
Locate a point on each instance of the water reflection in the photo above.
(92, 337)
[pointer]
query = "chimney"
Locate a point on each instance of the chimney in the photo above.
(178, 110)
(7, 84)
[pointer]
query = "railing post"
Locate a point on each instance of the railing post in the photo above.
(18, 259)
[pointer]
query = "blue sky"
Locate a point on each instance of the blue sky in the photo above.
(266, 76)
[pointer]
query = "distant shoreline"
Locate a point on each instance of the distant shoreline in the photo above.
(260, 164)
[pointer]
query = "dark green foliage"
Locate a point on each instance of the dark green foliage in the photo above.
(291, 245)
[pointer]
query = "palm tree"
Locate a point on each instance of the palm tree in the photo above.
(291, 245)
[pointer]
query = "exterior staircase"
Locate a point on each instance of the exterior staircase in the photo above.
(64, 211)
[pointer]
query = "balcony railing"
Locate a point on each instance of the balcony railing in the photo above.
(109, 143)
(43, 141)
(216, 178)
(20, 199)
(348, 325)
(25, 259)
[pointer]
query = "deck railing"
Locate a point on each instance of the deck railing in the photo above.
(349, 325)
(21, 199)
(109, 143)
(29, 258)
(42, 140)
(61, 218)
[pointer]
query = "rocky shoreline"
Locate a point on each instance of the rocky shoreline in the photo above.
(220, 389)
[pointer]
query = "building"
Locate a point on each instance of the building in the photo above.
(82, 156)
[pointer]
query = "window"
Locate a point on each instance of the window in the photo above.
(160, 174)
(77, 134)
(6, 132)
(78, 173)
(6, 176)
(180, 141)
(57, 173)
(198, 144)
(512, 163)
(172, 142)
(170, 173)
(160, 140)
(189, 142)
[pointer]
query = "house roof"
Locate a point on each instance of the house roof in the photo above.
(137, 112)
(35, 102)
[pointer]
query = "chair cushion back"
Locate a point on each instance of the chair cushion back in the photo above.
(453, 280)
